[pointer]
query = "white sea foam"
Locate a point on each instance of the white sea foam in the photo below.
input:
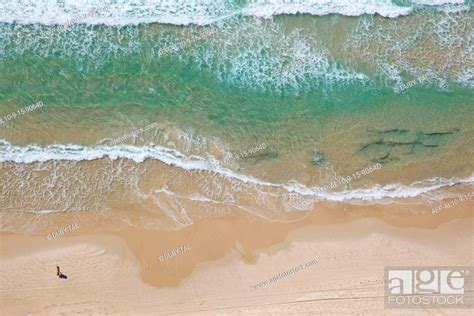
(121, 12)
(267, 9)
(466, 78)
(298, 63)
(378, 193)
(193, 11)
(275, 59)
(438, 2)
(390, 47)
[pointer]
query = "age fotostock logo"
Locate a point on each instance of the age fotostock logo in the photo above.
(428, 287)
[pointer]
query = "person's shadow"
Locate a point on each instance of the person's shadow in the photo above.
(59, 274)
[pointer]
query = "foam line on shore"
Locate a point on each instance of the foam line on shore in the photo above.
(35, 154)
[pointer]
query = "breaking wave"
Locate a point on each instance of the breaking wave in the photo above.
(379, 193)
(201, 12)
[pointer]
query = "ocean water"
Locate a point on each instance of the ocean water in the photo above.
(331, 87)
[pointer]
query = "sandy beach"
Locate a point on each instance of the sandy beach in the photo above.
(120, 273)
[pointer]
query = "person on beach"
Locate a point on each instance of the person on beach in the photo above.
(59, 274)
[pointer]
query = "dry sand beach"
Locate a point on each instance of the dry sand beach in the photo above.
(120, 273)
